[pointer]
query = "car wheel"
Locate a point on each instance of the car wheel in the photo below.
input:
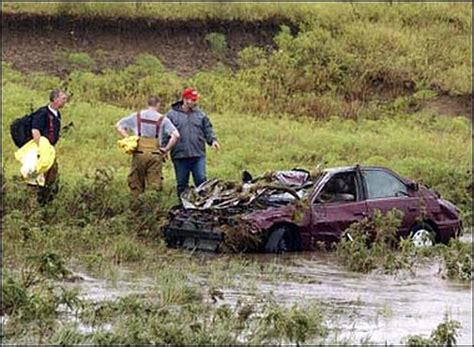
(282, 239)
(423, 235)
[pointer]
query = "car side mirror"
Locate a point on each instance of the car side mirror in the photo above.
(413, 186)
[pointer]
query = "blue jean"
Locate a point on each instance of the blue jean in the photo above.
(183, 167)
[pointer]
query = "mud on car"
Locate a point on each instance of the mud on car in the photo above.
(286, 211)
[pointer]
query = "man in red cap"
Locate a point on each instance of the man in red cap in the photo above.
(195, 129)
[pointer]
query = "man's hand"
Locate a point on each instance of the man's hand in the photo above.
(215, 145)
(36, 135)
(164, 153)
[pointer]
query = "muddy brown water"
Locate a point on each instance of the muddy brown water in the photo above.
(382, 308)
(379, 307)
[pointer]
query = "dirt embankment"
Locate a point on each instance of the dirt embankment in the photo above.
(42, 43)
(451, 105)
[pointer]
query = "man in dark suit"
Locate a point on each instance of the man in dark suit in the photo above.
(46, 122)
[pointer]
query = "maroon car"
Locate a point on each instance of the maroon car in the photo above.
(292, 210)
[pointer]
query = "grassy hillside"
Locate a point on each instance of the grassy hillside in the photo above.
(347, 60)
(422, 146)
(225, 10)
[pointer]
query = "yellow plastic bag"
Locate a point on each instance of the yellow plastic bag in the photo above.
(35, 160)
(128, 144)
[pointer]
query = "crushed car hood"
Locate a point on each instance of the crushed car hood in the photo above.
(220, 215)
(271, 189)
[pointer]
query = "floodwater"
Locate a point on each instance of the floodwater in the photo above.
(382, 308)
(377, 307)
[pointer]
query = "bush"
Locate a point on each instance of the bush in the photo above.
(458, 260)
(217, 42)
(93, 198)
(128, 87)
(144, 320)
(80, 61)
(14, 294)
(370, 243)
(330, 69)
(445, 334)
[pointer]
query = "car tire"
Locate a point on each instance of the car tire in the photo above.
(282, 239)
(423, 235)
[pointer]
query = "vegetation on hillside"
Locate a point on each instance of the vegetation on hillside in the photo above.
(358, 60)
(420, 145)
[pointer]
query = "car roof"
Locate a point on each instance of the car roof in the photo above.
(338, 169)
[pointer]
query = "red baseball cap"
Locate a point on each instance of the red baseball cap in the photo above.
(190, 93)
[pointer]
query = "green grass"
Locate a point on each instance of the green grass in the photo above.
(184, 11)
(246, 12)
(420, 146)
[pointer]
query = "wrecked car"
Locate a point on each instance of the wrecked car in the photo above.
(285, 211)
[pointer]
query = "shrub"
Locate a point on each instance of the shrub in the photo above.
(217, 42)
(369, 243)
(51, 265)
(14, 294)
(458, 260)
(445, 334)
(128, 87)
(81, 60)
(94, 198)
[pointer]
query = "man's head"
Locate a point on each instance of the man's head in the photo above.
(57, 98)
(190, 97)
(154, 102)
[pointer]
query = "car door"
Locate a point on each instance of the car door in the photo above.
(386, 191)
(331, 216)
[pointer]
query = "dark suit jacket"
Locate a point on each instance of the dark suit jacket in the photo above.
(40, 121)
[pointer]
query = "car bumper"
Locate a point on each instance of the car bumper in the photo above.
(207, 240)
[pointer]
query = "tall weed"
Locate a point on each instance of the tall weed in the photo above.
(445, 334)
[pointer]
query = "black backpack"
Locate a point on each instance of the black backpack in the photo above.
(20, 129)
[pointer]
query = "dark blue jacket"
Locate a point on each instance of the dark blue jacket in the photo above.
(195, 130)
(40, 121)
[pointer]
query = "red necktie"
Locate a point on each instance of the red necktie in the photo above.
(51, 129)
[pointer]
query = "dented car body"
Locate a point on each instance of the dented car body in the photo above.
(294, 210)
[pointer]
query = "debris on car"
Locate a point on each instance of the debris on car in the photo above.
(273, 188)
(293, 210)
(212, 216)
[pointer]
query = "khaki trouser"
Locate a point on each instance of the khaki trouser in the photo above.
(146, 170)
